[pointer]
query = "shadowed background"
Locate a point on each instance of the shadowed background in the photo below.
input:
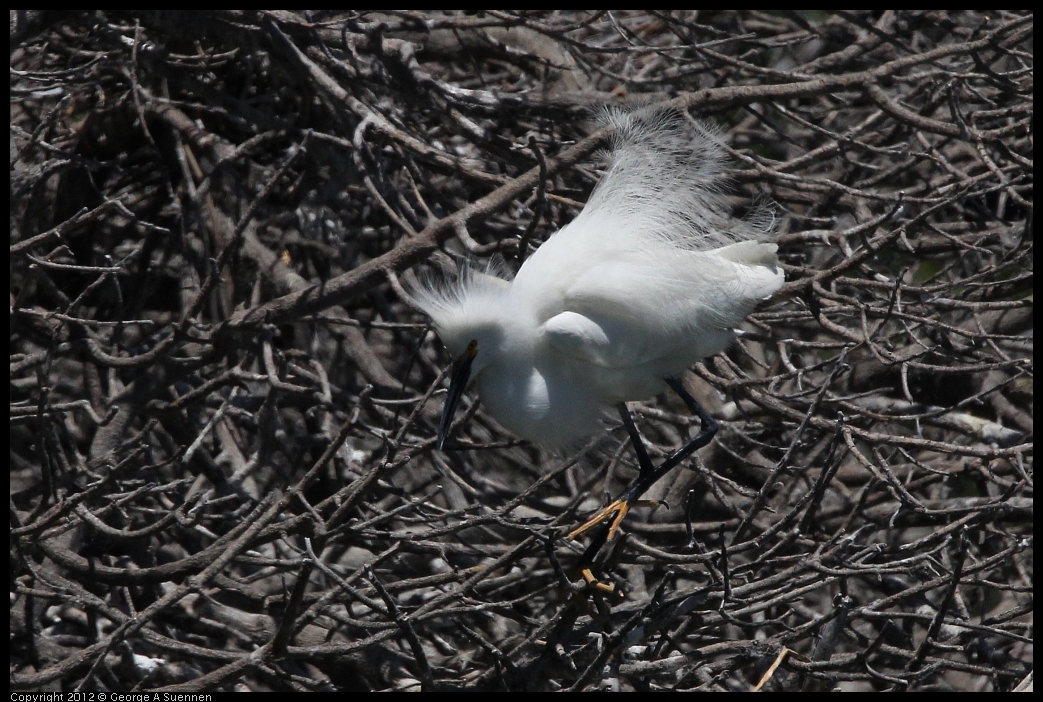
(223, 409)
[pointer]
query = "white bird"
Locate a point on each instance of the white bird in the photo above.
(653, 275)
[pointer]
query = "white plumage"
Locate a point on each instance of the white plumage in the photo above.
(653, 275)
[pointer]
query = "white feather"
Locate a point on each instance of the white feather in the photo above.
(652, 276)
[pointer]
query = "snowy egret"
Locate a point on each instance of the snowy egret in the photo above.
(651, 276)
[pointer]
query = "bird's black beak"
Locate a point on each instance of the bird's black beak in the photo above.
(457, 383)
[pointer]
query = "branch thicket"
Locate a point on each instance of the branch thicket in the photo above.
(223, 405)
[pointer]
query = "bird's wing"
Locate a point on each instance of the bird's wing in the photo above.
(750, 253)
(631, 313)
(580, 337)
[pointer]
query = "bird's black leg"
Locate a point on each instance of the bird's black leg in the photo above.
(643, 460)
(646, 466)
(649, 474)
(707, 430)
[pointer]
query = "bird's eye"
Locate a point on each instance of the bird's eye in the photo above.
(472, 347)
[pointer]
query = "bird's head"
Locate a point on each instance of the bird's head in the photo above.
(461, 373)
(475, 341)
(470, 315)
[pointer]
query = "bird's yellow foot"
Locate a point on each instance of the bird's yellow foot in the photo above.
(619, 508)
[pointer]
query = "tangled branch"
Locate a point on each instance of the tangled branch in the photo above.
(223, 403)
